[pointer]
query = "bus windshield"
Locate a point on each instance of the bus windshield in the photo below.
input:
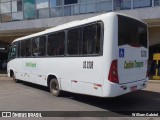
(131, 32)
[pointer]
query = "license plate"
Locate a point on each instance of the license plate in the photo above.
(134, 88)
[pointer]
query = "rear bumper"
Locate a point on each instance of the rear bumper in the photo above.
(114, 90)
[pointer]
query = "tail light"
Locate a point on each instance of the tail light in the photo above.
(113, 73)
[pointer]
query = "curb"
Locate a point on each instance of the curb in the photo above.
(154, 81)
(3, 75)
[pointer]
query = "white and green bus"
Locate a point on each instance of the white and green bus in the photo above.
(104, 56)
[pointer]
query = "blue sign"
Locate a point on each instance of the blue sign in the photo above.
(121, 52)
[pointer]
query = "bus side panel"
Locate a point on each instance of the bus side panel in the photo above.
(21, 71)
(41, 68)
(87, 88)
(74, 74)
(27, 70)
(82, 73)
(62, 70)
(86, 75)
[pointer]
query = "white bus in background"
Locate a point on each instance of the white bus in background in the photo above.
(104, 56)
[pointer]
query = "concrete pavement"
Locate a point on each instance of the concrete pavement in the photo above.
(30, 97)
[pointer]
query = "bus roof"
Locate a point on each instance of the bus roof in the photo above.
(70, 24)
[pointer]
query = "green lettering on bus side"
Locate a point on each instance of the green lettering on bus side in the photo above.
(30, 64)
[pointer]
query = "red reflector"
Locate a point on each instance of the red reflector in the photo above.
(74, 81)
(113, 73)
(98, 85)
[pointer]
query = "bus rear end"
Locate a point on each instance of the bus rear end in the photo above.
(133, 50)
(128, 72)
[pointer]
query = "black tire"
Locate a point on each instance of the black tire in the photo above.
(14, 78)
(54, 88)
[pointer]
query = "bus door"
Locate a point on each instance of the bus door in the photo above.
(156, 74)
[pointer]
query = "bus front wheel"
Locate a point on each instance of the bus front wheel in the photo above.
(54, 87)
(14, 78)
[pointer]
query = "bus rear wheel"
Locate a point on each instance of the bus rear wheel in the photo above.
(54, 88)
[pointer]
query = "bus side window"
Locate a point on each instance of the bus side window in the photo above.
(17, 44)
(91, 39)
(74, 41)
(42, 46)
(39, 46)
(35, 46)
(98, 39)
(23, 48)
(56, 44)
(51, 45)
(28, 48)
(60, 43)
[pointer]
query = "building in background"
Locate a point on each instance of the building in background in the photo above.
(22, 17)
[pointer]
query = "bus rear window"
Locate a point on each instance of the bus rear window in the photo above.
(131, 32)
